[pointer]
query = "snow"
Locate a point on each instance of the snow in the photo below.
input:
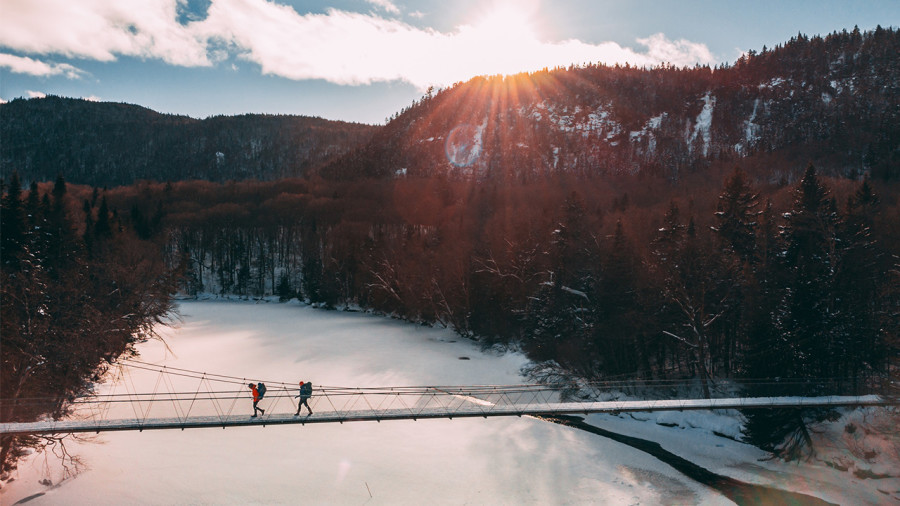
(773, 83)
(575, 292)
(751, 128)
(704, 122)
(476, 461)
(751, 465)
(652, 125)
(596, 122)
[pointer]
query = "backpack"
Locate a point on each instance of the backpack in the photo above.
(261, 388)
(306, 390)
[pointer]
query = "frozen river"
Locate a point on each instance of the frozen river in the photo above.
(461, 461)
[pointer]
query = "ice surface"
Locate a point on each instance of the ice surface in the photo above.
(459, 461)
(475, 461)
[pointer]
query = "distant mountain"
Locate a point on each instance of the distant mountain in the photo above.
(105, 144)
(833, 101)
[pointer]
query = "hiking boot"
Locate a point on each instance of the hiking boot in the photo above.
(252, 416)
(261, 410)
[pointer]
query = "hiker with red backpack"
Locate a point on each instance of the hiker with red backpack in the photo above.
(258, 392)
(305, 394)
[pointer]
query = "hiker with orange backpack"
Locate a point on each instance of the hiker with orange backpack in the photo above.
(258, 392)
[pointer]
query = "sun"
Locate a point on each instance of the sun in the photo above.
(502, 38)
(506, 25)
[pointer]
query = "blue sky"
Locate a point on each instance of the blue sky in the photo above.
(363, 60)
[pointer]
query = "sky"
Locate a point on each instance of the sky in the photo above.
(364, 60)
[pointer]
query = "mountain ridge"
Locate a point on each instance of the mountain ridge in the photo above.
(108, 143)
(831, 101)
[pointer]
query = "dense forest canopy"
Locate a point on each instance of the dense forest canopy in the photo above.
(107, 144)
(611, 222)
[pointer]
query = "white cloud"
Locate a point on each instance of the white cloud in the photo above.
(25, 65)
(36, 94)
(385, 5)
(417, 14)
(337, 46)
(352, 48)
(101, 30)
(92, 98)
(677, 52)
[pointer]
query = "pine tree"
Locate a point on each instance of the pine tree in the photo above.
(858, 281)
(736, 217)
(810, 262)
(807, 347)
(670, 236)
(618, 308)
(13, 225)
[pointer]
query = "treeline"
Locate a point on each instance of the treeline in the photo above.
(79, 289)
(108, 144)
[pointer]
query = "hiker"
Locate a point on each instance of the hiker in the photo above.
(305, 394)
(256, 398)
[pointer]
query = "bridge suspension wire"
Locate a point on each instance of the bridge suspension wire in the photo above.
(183, 398)
(605, 383)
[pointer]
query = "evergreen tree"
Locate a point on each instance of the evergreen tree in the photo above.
(858, 285)
(618, 307)
(808, 318)
(13, 225)
(102, 228)
(736, 216)
(807, 336)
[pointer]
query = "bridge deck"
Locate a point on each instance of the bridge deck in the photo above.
(472, 408)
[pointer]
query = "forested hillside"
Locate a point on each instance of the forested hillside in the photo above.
(108, 144)
(832, 101)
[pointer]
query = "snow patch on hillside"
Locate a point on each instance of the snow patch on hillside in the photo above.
(597, 123)
(703, 123)
(648, 131)
(751, 130)
(772, 83)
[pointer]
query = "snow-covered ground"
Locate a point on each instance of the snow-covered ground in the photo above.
(461, 461)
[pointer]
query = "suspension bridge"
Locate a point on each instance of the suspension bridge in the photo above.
(182, 399)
